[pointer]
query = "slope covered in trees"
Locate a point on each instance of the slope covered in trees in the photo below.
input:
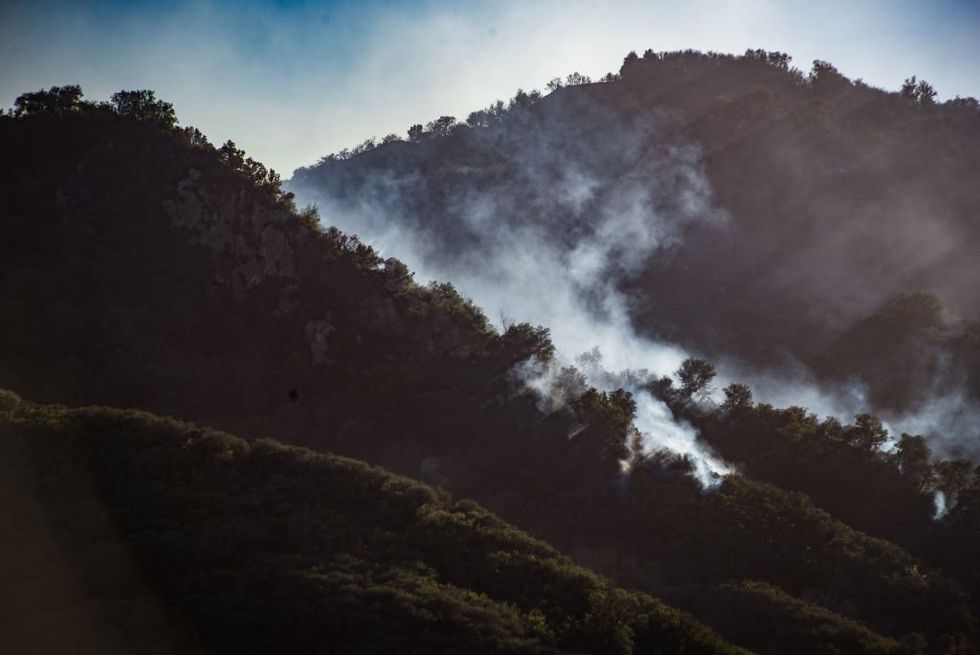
(822, 199)
(143, 268)
(124, 532)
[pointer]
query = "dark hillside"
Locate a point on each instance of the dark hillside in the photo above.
(124, 532)
(143, 268)
(835, 197)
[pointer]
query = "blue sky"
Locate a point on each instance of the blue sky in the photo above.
(293, 80)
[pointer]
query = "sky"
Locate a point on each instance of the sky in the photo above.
(292, 81)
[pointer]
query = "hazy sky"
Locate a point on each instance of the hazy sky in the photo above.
(291, 81)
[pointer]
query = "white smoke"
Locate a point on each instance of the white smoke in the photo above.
(565, 276)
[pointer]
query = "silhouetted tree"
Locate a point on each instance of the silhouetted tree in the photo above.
(144, 106)
(56, 101)
(912, 456)
(525, 340)
(695, 375)
(196, 138)
(831, 428)
(609, 417)
(953, 476)
(255, 172)
(523, 99)
(908, 88)
(867, 432)
(737, 397)
(577, 78)
(925, 93)
(630, 63)
(442, 126)
(825, 77)
(415, 133)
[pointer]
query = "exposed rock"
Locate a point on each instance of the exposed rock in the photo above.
(252, 233)
(317, 334)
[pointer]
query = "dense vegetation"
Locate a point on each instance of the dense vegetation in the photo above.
(141, 267)
(839, 197)
(124, 532)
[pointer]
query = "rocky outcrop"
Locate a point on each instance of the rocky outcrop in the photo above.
(317, 335)
(247, 240)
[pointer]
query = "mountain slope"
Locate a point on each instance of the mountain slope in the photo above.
(773, 211)
(143, 268)
(181, 539)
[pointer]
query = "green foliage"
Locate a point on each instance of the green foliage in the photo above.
(695, 376)
(790, 624)
(256, 547)
(523, 340)
(912, 455)
(443, 296)
(609, 420)
(738, 397)
(417, 379)
(254, 172)
(867, 432)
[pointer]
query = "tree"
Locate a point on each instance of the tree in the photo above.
(415, 133)
(908, 88)
(776, 59)
(256, 173)
(523, 340)
(442, 126)
(738, 397)
(196, 138)
(144, 106)
(925, 94)
(576, 78)
(831, 429)
(953, 476)
(609, 417)
(629, 62)
(918, 91)
(570, 383)
(912, 456)
(695, 375)
(825, 77)
(867, 432)
(56, 101)
(523, 99)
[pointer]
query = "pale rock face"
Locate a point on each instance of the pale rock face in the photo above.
(317, 334)
(251, 234)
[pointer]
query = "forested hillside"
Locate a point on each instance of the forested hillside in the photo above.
(766, 218)
(125, 532)
(141, 267)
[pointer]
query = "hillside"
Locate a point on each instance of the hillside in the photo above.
(745, 211)
(125, 532)
(141, 267)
